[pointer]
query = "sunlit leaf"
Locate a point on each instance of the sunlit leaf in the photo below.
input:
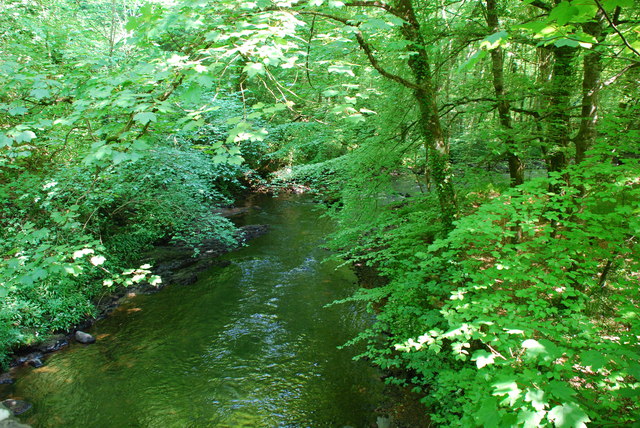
(24, 136)
(341, 69)
(568, 415)
(253, 69)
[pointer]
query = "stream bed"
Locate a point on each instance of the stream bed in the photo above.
(248, 345)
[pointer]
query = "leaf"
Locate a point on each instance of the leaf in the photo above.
(193, 124)
(193, 93)
(594, 359)
(145, 117)
(38, 274)
(563, 13)
(356, 118)
(97, 260)
(139, 145)
(330, 93)
(544, 350)
(5, 141)
(375, 24)
(568, 415)
(24, 136)
(488, 416)
(74, 270)
(18, 111)
(536, 398)
(494, 40)
(341, 69)
(567, 42)
(508, 388)
(561, 390)
(81, 253)
(483, 358)
(254, 68)
(473, 60)
(275, 108)
(535, 26)
(530, 419)
(235, 160)
(58, 217)
(39, 93)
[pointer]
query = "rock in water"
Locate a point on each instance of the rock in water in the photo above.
(7, 421)
(85, 338)
(17, 407)
(53, 343)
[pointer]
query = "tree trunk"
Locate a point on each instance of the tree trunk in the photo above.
(516, 166)
(559, 118)
(435, 142)
(592, 67)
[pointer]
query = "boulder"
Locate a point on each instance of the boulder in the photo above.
(17, 407)
(84, 338)
(7, 420)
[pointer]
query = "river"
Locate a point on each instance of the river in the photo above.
(249, 345)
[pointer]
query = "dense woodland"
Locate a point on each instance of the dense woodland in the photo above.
(481, 156)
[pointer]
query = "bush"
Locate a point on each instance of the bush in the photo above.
(526, 313)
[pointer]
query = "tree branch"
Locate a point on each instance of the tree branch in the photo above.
(613, 79)
(374, 63)
(345, 21)
(313, 25)
(127, 127)
(615, 28)
(368, 50)
(541, 5)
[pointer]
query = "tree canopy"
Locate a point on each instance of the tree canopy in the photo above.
(480, 156)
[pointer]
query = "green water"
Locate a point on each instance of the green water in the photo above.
(248, 345)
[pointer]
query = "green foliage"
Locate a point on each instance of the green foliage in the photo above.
(51, 271)
(124, 125)
(526, 313)
(88, 180)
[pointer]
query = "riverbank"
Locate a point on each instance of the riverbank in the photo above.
(174, 264)
(248, 344)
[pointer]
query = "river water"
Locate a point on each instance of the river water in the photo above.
(248, 345)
